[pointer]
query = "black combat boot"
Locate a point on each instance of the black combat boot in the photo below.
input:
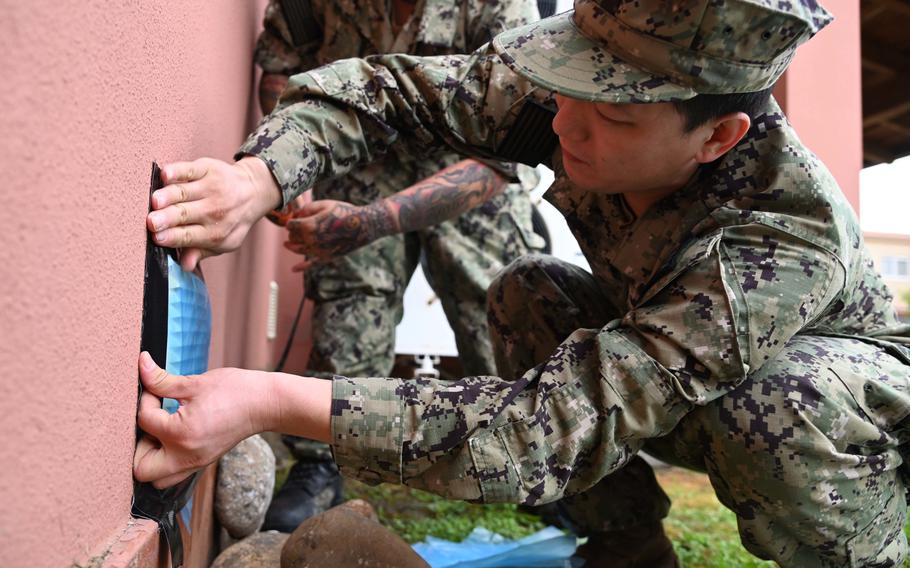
(311, 488)
(639, 547)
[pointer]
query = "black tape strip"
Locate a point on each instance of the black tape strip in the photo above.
(531, 139)
(148, 502)
(546, 8)
(154, 303)
(301, 21)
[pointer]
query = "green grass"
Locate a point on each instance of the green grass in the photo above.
(416, 514)
(702, 530)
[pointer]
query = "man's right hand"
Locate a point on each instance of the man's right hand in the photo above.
(207, 206)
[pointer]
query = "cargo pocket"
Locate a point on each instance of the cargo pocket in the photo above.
(517, 463)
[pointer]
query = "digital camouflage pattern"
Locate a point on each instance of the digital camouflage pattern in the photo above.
(737, 327)
(358, 298)
(633, 51)
(358, 28)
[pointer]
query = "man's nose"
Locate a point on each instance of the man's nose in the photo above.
(568, 123)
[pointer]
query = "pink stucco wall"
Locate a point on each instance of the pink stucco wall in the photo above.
(93, 92)
(822, 96)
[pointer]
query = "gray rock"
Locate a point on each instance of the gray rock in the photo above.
(246, 479)
(261, 550)
(347, 535)
(225, 540)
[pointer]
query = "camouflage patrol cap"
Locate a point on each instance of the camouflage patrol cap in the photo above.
(661, 50)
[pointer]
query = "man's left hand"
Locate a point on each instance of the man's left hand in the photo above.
(218, 409)
(326, 229)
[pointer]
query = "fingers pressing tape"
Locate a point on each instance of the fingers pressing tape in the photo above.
(185, 237)
(158, 381)
(190, 257)
(183, 171)
(150, 460)
(182, 192)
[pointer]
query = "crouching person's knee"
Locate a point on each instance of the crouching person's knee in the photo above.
(514, 278)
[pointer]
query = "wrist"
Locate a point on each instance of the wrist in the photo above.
(265, 191)
(300, 406)
(266, 410)
(384, 219)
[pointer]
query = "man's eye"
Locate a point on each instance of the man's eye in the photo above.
(612, 120)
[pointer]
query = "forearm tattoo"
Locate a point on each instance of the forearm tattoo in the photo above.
(442, 196)
(446, 195)
(349, 227)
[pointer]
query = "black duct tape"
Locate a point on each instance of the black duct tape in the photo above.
(160, 505)
(531, 139)
(301, 21)
(546, 8)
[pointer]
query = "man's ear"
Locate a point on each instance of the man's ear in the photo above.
(723, 133)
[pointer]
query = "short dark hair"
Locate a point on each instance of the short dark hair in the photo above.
(702, 108)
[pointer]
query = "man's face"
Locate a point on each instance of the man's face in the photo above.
(634, 149)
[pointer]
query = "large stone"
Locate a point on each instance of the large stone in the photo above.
(261, 550)
(347, 535)
(246, 479)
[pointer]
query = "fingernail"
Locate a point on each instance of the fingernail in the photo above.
(156, 221)
(146, 361)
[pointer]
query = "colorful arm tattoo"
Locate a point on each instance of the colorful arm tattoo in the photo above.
(445, 195)
(342, 227)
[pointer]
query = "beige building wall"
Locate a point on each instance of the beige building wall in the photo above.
(891, 254)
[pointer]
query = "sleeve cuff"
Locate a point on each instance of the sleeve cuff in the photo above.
(287, 152)
(367, 428)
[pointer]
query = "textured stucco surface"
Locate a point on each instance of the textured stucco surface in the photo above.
(823, 96)
(93, 91)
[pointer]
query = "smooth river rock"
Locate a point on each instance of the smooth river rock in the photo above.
(261, 550)
(246, 479)
(347, 535)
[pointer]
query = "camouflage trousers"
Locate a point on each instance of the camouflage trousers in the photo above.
(358, 297)
(808, 452)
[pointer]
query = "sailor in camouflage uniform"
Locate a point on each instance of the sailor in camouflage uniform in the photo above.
(358, 296)
(734, 325)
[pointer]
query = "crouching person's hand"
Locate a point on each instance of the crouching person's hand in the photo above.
(218, 409)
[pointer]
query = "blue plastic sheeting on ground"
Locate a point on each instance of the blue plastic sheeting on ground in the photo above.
(548, 548)
(189, 325)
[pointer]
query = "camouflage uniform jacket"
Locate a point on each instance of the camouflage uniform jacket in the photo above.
(349, 28)
(707, 285)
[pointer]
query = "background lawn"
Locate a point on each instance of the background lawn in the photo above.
(702, 530)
